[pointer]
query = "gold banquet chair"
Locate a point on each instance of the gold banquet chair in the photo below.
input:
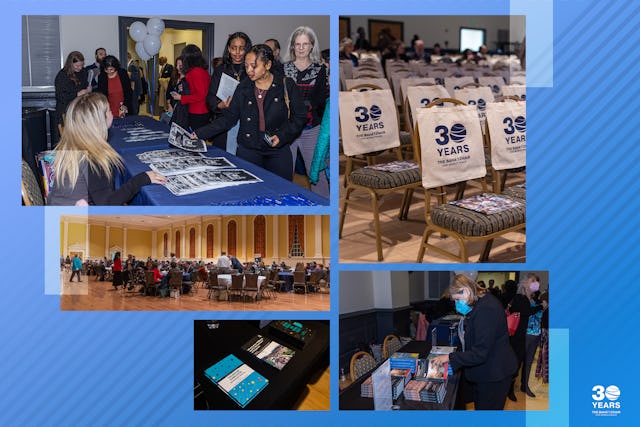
(390, 345)
(377, 183)
(361, 363)
(31, 193)
(461, 224)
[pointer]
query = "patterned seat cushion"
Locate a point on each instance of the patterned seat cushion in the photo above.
(379, 180)
(516, 192)
(472, 223)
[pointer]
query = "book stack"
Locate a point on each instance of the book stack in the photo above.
(433, 391)
(412, 390)
(366, 388)
(400, 360)
(236, 379)
(405, 374)
(397, 385)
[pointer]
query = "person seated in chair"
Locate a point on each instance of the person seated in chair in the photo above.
(164, 282)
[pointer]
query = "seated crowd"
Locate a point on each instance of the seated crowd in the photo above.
(131, 272)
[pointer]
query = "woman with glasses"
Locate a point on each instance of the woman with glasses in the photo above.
(72, 81)
(487, 357)
(304, 66)
(114, 83)
(238, 44)
(270, 111)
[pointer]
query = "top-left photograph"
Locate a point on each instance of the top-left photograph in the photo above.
(175, 110)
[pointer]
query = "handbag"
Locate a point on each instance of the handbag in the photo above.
(513, 320)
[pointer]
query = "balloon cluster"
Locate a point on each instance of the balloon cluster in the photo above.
(147, 37)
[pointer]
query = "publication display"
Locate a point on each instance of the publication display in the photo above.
(236, 379)
(269, 351)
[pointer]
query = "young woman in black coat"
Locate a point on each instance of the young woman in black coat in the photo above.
(271, 113)
(238, 44)
(487, 357)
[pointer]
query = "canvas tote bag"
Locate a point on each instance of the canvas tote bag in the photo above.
(451, 145)
(368, 121)
(508, 131)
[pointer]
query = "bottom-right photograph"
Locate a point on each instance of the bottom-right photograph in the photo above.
(444, 340)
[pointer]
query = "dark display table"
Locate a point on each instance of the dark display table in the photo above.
(350, 397)
(284, 388)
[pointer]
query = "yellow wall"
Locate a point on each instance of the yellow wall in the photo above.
(116, 238)
(97, 236)
(326, 236)
(63, 250)
(139, 243)
(77, 233)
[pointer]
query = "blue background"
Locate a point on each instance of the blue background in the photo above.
(119, 368)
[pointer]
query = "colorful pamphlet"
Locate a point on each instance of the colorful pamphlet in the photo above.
(269, 351)
(236, 379)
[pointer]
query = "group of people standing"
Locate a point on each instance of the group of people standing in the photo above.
(276, 109)
(490, 356)
(276, 112)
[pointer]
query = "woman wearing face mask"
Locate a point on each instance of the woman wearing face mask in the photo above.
(524, 343)
(271, 115)
(238, 44)
(487, 357)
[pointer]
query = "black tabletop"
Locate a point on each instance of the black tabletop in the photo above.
(284, 388)
(350, 397)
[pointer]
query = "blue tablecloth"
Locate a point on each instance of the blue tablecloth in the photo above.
(122, 131)
(272, 191)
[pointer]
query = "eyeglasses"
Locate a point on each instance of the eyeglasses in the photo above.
(302, 45)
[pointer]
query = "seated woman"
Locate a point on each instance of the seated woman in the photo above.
(114, 83)
(271, 115)
(85, 163)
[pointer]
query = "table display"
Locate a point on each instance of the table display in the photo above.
(416, 394)
(214, 341)
(139, 140)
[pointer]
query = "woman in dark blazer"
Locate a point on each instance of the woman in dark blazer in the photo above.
(487, 357)
(238, 44)
(271, 113)
(71, 82)
(116, 91)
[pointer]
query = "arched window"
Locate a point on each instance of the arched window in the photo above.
(260, 235)
(177, 245)
(192, 242)
(296, 235)
(210, 241)
(165, 245)
(231, 238)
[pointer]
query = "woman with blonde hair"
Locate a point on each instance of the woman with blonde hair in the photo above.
(85, 164)
(527, 336)
(487, 358)
(304, 66)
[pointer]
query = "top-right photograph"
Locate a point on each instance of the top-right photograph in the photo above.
(432, 139)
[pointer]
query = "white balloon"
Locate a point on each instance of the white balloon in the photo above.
(141, 52)
(155, 26)
(152, 44)
(138, 31)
